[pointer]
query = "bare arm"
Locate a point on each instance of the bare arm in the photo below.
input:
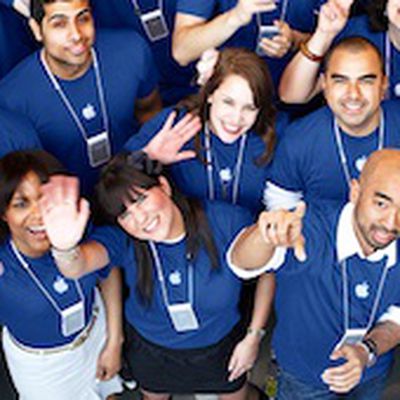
(245, 353)
(193, 35)
(65, 216)
(300, 81)
(109, 362)
(147, 107)
(256, 246)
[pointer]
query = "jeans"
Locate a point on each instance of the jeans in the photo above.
(290, 388)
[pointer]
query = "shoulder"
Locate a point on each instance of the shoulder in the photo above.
(309, 128)
(119, 40)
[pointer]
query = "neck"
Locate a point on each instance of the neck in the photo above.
(361, 131)
(394, 35)
(64, 70)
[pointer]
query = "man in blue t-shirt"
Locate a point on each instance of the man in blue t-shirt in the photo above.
(84, 96)
(319, 154)
(338, 297)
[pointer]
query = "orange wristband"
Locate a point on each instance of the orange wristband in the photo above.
(309, 54)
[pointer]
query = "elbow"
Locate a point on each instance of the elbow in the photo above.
(179, 50)
(178, 53)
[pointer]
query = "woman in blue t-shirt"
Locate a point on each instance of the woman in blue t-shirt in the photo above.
(54, 336)
(182, 307)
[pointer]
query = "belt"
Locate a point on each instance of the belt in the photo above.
(78, 341)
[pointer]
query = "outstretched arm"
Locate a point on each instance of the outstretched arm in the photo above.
(193, 35)
(256, 245)
(65, 216)
(300, 81)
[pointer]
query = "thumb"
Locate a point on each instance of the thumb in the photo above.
(336, 354)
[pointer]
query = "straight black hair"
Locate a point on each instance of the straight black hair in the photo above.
(118, 184)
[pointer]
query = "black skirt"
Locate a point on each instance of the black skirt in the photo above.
(158, 369)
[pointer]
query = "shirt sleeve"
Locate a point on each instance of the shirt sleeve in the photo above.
(197, 8)
(115, 242)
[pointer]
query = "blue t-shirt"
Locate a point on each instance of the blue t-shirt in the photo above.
(16, 133)
(359, 26)
(26, 311)
(300, 15)
(308, 300)
(307, 158)
(191, 176)
(175, 81)
(216, 292)
(16, 41)
(127, 73)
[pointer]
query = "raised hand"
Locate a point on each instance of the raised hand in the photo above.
(205, 66)
(345, 377)
(283, 228)
(280, 44)
(245, 9)
(167, 143)
(333, 16)
(64, 214)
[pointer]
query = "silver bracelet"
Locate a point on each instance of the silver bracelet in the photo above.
(256, 332)
(69, 255)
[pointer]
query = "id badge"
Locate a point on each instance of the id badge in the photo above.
(183, 317)
(268, 32)
(351, 337)
(73, 319)
(155, 25)
(99, 150)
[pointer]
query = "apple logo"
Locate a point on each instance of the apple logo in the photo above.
(360, 162)
(362, 290)
(59, 285)
(89, 112)
(225, 174)
(175, 278)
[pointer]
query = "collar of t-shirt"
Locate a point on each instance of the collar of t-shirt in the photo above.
(347, 243)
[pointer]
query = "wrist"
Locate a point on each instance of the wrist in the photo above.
(255, 333)
(65, 255)
(371, 348)
(237, 18)
(310, 54)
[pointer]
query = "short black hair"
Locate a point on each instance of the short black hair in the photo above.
(14, 167)
(353, 44)
(37, 8)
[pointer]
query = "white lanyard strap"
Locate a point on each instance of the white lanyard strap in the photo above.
(340, 147)
(388, 56)
(39, 284)
(285, 4)
(210, 167)
(138, 11)
(67, 103)
(161, 277)
(346, 317)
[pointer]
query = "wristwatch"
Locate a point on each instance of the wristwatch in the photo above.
(372, 349)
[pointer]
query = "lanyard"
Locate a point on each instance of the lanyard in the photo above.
(39, 284)
(285, 4)
(375, 305)
(138, 11)
(210, 166)
(388, 56)
(340, 147)
(161, 277)
(67, 103)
